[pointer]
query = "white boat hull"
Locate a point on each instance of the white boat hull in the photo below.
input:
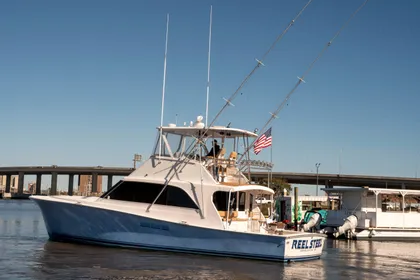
(73, 222)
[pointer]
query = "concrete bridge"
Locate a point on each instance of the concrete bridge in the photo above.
(329, 180)
(55, 170)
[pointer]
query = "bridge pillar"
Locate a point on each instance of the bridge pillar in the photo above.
(8, 181)
(71, 182)
(109, 185)
(20, 182)
(53, 190)
(38, 184)
(94, 182)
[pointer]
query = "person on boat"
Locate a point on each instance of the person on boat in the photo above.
(214, 152)
(212, 155)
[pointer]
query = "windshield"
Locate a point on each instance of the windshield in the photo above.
(176, 145)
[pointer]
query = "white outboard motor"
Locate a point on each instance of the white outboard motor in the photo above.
(314, 221)
(350, 224)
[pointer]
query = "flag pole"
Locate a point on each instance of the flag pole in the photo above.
(270, 174)
(271, 168)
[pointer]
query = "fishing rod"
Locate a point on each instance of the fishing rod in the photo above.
(301, 79)
(185, 160)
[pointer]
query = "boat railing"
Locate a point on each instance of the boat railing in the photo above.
(225, 170)
(256, 164)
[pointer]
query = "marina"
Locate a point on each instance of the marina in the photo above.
(212, 199)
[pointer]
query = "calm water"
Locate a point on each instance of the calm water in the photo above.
(26, 253)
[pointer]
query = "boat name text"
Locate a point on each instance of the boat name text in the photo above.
(307, 244)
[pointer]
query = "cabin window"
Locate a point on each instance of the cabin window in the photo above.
(395, 203)
(175, 145)
(242, 196)
(412, 203)
(220, 200)
(251, 199)
(391, 202)
(147, 192)
(187, 150)
(171, 144)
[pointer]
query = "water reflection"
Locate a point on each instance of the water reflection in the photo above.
(98, 262)
(373, 260)
(26, 253)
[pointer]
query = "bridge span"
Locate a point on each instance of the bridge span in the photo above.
(343, 180)
(329, 180)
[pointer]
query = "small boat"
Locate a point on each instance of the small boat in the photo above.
(374, 214)
(183, 200)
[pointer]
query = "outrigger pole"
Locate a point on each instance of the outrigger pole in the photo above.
(208, 68)
(301, 79)
(164, 85)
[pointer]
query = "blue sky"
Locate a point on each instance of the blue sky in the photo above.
(81, 81)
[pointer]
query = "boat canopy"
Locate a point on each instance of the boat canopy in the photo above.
(259, 188)
(214, 131)
(374, 190)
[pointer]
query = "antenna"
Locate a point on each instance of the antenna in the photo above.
(208, 66)
(164, 84)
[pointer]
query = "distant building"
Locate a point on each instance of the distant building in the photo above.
(13, 182)
(2, 180)
(32, 187)
(2, 183)
(85, 184)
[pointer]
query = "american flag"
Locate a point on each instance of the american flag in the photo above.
(263, 141)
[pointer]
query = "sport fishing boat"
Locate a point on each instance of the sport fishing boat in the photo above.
(183, 199)
(187, 199)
